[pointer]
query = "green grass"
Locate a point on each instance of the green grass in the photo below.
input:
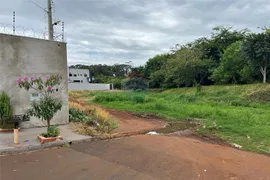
(226, 111)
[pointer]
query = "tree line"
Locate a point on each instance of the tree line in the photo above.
(227, 56)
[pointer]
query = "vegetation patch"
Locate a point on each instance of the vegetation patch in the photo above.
(84, 129)
(90, 120)
(261, 95)
(6, 110)
(202, 80)
(137, 99)
(227, 111)
(76, 115)
(52, 131)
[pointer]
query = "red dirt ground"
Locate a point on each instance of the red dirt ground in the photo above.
(130, 123)
(135, 124)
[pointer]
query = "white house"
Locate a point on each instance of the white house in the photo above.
(79, 76)
(81, 79)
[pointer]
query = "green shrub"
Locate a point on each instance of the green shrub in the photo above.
(5, 106)
(137, 99)
(136, 83)
(5, 111)
(76, 115)
(52, 131)
(117, 83)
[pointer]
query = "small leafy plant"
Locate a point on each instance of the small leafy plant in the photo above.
(6, 110)
(136, 84)
(52, 131)
(5, 106)
(76, 115)
(47, 106)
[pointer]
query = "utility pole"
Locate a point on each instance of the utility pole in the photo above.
(50, 24)
(50, 21)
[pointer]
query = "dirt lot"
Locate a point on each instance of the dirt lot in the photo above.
(142, 123)
(131, 123)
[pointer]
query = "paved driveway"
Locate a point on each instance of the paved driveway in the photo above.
(139, 157)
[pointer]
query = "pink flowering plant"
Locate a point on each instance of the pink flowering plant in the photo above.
(47, 106)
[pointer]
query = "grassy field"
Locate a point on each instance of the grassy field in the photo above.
(237, 114)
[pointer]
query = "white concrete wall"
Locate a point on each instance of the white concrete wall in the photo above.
(23, 56)
(89, 86)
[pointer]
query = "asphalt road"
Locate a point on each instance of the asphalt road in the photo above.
(141, 157)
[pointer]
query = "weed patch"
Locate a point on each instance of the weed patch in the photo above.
(137, 99)
(260, 95)
(90, 120)
(230, 112)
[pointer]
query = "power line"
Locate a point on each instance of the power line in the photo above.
(38, 6)
(49, 12)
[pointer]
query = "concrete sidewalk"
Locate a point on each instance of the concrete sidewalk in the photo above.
(28, 139)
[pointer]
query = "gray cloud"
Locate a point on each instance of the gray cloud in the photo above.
(109, 31)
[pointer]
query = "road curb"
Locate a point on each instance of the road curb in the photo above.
(28, 148)
(61, 143)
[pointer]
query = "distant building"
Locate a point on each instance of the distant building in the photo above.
(81, 79)
(79, 76)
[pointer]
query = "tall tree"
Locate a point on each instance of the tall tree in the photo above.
(221, 37)
(256, 48)
(232, 66)
(187, 68)
(138, 69)
(154, 64)
(157, 79)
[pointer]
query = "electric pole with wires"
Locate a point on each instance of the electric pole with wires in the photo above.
(50, 21)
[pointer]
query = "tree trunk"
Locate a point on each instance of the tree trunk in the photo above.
(48, 124)
(264, 78)
(235, 82)
(264, 73)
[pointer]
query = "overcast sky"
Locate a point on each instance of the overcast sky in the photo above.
(118, 31)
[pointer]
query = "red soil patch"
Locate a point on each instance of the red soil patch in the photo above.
(130, 123)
